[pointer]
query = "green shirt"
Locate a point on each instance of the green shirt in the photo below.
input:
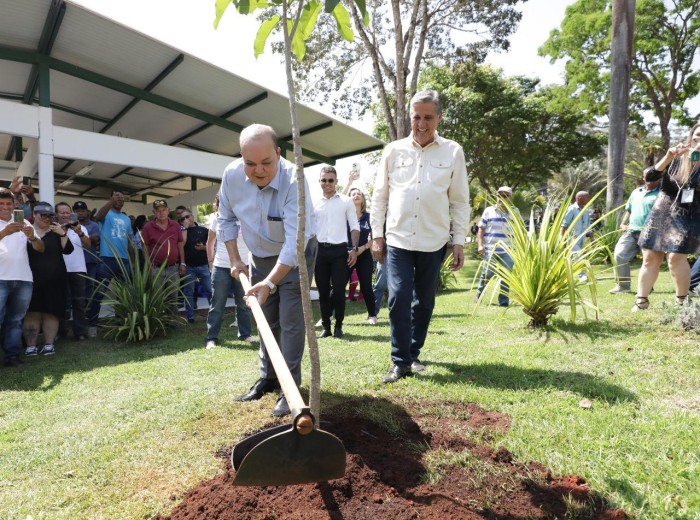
(639, 205)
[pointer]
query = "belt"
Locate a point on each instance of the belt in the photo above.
(328, 244)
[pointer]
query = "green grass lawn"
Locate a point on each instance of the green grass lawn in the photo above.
(122, 431)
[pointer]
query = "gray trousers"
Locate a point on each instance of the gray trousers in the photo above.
(625, 251)
(284, 313)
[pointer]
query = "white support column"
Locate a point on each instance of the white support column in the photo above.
(30, 162)
(46, 176)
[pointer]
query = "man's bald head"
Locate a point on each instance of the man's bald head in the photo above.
(257, 132)
(582, 198)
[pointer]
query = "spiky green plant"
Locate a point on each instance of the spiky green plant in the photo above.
(606, 236)
(447, 275)
(546, 267)
(142, 302)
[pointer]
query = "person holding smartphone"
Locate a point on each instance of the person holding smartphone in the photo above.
(48, 301)
(17, 236)
(197, 265)
(75, 267)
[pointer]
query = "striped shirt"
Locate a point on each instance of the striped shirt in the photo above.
(496, 228)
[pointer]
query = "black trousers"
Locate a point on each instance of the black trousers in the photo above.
(331, 275)
(365, 268)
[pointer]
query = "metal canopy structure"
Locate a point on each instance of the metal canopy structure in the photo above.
(116, 109)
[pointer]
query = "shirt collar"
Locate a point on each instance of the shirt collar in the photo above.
(437, 141)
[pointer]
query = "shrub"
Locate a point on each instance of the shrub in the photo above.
(546, 268)
(142, 302)
(606, 236)
(447, 275)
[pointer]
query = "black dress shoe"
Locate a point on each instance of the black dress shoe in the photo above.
(326, 333)
(260, 388)
(281, 407)
(338, 332)
(397, 373)
(12, 362)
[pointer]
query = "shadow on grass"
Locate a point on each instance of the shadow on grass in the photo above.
(569, 331)
(505, 377)
(46, 372)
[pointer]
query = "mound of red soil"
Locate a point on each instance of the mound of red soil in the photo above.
(434, 465)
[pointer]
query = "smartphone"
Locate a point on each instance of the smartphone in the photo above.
(73, 219)
(356, 167)
(18, 216)
(27, 181)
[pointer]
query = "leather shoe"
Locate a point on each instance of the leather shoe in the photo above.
(261, 387)
(338, 332)
(281, 407)
(326, 333)
(397, 373)
(417, 366)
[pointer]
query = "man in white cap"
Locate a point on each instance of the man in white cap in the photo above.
(494, 232)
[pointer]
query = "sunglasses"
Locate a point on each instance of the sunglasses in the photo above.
(183, 218)
(327, 181)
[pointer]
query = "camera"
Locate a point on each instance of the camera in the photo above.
(27, 181)
(18, 216)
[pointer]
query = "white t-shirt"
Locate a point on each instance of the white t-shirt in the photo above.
(75, 262)
(221, 258)
(14, 261)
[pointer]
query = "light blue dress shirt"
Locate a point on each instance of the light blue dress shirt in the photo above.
(268, 216)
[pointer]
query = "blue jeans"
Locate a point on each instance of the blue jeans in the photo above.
(487, 273)
(15, 296)
(195, 273)
(695, 275)
(221, 284)
(413, 281)
(107, 269)
(380, 284)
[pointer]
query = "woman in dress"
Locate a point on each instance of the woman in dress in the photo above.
(673, 225)
(364, 265)
(50, 278)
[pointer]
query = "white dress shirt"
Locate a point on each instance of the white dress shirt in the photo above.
(333, 216)
(421, 194)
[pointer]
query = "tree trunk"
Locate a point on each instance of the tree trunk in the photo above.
(315, 381)
(620, 77)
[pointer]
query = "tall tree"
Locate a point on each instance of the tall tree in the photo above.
(296, 19)
(512, 132)
(620, 75)
(664, 78)
(382, 64)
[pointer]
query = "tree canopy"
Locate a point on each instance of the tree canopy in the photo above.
(390, 47)
(511, 131)
(666, 42)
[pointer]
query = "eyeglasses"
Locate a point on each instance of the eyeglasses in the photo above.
(327, 181)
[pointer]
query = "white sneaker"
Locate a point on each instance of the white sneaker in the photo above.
(582, 278)
(92, 332)
(619, 290)
(319, 323)
(249, 339)
(31, 351)
(48, 350)
(210, 344)
(372, 320)
(235, 323)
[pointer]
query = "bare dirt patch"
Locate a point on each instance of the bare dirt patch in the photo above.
(432, 462)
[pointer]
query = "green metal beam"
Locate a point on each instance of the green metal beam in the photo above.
(61, 108)
(160, 77)
(310, 130)
(113, 84)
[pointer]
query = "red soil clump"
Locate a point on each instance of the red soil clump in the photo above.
(434, 464)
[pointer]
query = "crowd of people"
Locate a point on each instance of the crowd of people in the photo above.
(62, 258)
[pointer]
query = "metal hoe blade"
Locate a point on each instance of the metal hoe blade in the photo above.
(281, 456)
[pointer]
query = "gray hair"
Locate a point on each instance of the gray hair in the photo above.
(254, 132)
(427, 96)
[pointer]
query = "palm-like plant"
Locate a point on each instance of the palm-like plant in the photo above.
(546, 266)
(142, 302)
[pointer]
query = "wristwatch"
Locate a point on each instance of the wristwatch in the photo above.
(271, 285)
(353, 248)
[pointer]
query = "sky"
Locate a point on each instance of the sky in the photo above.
(188, 25)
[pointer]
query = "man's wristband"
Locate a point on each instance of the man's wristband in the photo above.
(270, 284)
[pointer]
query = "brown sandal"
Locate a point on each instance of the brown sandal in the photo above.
(641, 304)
